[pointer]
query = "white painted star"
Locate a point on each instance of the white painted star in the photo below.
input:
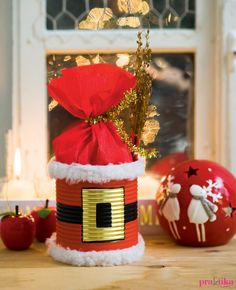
(228, 211)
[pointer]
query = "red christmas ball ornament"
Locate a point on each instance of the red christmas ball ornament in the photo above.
(17, 230)
(45, 221)
(197, 204)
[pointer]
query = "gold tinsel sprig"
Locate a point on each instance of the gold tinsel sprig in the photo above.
(151, 126)
(133, 148)
(130, 97)
(144, 84)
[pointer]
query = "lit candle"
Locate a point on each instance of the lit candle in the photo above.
(17, 164)
(17, 188)
(148, 186)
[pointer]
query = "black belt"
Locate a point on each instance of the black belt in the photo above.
(74, 214)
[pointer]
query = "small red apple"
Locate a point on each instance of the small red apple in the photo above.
(17, 230)
(45, 221)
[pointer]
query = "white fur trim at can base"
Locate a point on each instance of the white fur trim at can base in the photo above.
(74, 173)
(93, 258)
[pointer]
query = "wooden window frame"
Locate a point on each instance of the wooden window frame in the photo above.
(32, 42)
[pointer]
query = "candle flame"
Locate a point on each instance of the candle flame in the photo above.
(17, 163)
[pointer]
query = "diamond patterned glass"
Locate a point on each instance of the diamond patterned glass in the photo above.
(118, 14)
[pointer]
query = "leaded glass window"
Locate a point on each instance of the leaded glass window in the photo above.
(110, 14)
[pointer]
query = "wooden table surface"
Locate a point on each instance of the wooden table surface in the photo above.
(165, 266)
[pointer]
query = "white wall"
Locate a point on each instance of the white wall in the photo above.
(5, 76)
(225, 85)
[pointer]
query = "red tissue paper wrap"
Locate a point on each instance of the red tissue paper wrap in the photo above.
(89, 91)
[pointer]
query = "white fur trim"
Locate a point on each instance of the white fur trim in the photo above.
(93, 258)
(75, 172)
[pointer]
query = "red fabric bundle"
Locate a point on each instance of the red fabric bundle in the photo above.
(89, 91)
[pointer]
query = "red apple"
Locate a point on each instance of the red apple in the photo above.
(45, 221)
(17, 230)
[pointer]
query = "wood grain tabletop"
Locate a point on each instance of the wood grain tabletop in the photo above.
(164, 266)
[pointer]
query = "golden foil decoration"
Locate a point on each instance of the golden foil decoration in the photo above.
(90, 198)
(132, 9)
(129, 21)
(151, 111)
(133, 6)
(123, 59)
(67, 58)
(144, 8)
(97, 59)
(52, 105)
(80, 60)
(150, 130)
(151, 126)
(98, 18)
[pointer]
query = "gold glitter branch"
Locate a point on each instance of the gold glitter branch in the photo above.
(113, 115)
(130, 97)
(144, 84)
(133, 148)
